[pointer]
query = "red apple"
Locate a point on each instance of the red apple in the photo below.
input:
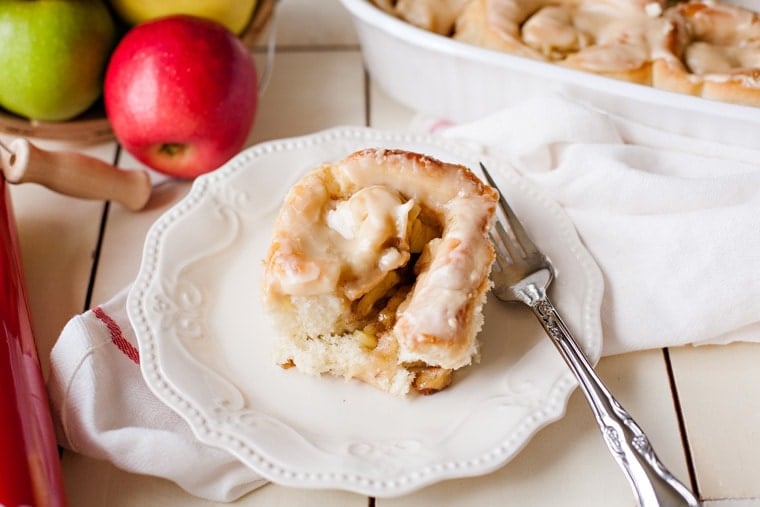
(181, 94)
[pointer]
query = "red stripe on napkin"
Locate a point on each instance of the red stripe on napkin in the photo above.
(117, 337)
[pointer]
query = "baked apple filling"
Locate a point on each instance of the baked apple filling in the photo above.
(378, 269)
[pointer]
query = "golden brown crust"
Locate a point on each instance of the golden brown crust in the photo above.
(494, 24)
(357, 293)
(634, 68)
(670, 75)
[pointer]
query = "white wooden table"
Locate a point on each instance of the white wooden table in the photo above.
(700, 406)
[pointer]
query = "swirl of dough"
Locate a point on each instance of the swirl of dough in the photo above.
(715, 54)
(436, 16)
(608, 37)
(378, 269)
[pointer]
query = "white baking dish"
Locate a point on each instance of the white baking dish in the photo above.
(450, 80)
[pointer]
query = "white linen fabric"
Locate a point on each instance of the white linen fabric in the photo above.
(673, 222)
(103, 408)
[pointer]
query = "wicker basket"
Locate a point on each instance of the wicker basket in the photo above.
(92, 126)
(260, 21)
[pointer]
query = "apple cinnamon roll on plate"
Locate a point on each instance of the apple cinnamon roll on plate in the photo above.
(378, 270)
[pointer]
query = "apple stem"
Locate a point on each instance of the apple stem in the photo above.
(172, 149)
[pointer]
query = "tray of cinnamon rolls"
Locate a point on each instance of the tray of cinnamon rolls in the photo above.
(692, 67)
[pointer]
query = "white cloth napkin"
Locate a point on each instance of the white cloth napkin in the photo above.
(673, 222)
(103, 408)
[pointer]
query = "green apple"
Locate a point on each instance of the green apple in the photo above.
(53, 55)
(233, 14)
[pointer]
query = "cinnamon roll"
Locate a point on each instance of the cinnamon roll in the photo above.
(378, 270)
(716, 54)
(608, 37)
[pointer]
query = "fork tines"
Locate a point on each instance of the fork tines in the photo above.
(521, 237)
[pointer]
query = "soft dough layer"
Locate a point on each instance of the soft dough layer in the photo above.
(378, 270)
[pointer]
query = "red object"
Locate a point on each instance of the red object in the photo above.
(30, 473)
(181, 94)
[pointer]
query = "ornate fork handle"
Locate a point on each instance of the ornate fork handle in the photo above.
(652, 483)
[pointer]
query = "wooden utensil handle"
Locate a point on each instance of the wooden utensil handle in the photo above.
(77, 175)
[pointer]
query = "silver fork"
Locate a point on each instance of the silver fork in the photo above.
(523, 274)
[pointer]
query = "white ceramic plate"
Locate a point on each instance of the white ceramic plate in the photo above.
(451, 80)
(205, 342)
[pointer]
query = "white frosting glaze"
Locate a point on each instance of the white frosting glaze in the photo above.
(344, 226)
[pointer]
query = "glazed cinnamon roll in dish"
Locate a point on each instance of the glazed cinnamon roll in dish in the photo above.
(716, 54)
(612, 38)
(378, 270)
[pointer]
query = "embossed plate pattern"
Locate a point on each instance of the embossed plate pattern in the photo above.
(205, 342)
